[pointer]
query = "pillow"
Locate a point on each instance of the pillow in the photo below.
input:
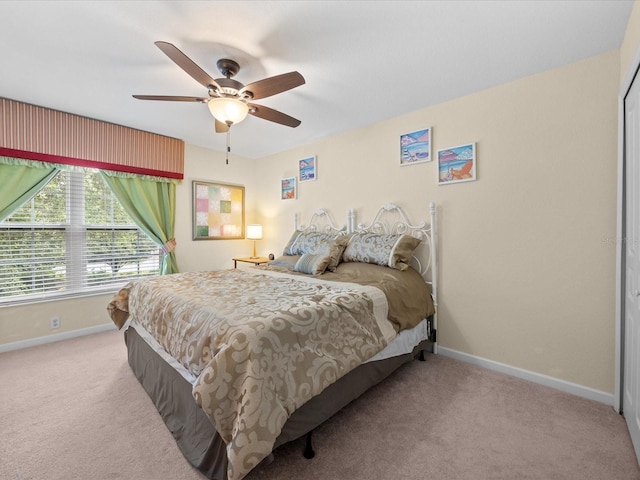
(307, 242)
(312, 264)
(382, 249)
(289, 246)
(335, 249)
(285, 261)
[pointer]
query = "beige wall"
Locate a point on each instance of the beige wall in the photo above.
(206, 165)
(20, 323)
(630, 43)
(527, 252)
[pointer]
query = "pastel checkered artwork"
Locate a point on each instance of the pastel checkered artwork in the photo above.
(218, 211)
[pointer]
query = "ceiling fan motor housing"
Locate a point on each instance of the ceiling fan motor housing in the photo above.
(228, 86)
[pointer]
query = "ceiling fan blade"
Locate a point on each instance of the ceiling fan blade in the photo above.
(221, 127)
(171, 98)
(272, 115)
(187, 64)
(273, 85)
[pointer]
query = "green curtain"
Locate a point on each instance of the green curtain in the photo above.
(19, 184)
(152, 206)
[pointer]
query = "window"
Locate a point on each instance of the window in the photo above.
(72, 238)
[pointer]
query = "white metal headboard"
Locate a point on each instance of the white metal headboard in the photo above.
(391, 219)
(320, 221)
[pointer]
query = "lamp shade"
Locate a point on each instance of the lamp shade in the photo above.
(254, 232)
(228, 110)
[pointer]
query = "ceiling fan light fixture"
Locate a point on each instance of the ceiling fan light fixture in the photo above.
(228, 110)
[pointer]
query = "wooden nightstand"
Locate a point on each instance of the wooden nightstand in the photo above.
(255, 261)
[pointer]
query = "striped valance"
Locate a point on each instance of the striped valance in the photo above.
(38, 133)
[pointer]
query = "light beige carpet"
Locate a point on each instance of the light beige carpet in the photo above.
(73, 410)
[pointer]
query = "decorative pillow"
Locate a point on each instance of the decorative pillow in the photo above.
(335, 249)
(307, 242)
(289, 246)
(312, 264)
(285, 261)
(382, 249)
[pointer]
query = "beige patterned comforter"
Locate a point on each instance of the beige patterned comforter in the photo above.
(260, 344)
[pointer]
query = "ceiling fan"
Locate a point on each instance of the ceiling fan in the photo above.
(230, 101)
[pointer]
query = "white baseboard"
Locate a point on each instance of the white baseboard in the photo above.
(562, 385)
(32, 342)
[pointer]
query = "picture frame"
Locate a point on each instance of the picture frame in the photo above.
(218, 211)
(288, 188)
(415, 147)
(457, 164)
(307, 168)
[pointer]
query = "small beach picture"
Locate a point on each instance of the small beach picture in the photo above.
(457, 164)
(415, 147)
(307, 169)
(288, 188)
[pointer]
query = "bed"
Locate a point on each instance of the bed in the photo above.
(239, 362)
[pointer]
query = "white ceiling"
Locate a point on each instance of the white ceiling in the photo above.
(363, 61)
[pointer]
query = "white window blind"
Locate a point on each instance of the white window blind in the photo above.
(72, 238)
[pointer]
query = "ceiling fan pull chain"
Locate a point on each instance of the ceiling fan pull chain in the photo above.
(228, 141)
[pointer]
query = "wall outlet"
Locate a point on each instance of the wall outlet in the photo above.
(54, 322)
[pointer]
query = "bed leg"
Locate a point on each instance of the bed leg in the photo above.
(421, 356)
(308, 448)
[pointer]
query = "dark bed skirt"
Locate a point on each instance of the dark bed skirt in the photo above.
(196, 436)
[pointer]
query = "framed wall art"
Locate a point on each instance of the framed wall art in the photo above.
(415, 147)
(307, 169)
(288, 188)
(218, 211)
(457, 164)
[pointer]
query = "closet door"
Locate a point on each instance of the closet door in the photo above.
(631, 378)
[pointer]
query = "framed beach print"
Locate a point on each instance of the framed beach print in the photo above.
(457, 164)
(218, 211)
(288, 189)
(307, 169)
(415, 147)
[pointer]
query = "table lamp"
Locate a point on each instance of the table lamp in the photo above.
(254, 232)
